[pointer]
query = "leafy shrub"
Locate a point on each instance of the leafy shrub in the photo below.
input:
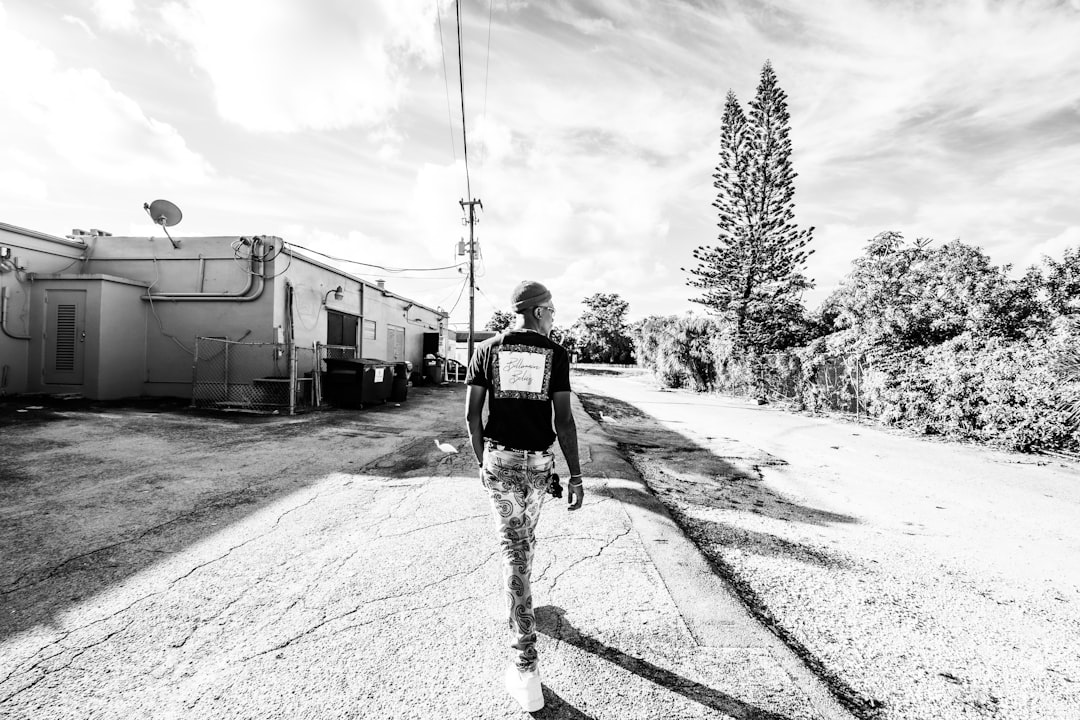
(1004, 393)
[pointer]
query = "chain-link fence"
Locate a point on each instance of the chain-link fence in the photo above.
(264, 377)
(832, 383)
(321, 353)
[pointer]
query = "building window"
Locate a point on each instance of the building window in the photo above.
(369, 329)
(341, 328)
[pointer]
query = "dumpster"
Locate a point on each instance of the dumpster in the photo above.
(382, 377)
(434, 367)
(399, 390)
(350, 382)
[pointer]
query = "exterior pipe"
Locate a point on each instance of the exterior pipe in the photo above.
(3, 317)
(255, 279)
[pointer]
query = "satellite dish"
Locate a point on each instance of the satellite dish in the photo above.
(165, 214)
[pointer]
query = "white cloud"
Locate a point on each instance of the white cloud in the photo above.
(79, 22)
(115, 14)
(87, 126)
(593, 128)
(1054, 247)
(282, 66)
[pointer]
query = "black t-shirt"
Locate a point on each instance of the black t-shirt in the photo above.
(521, 371)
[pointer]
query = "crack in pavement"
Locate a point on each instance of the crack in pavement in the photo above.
(326, 621)
(599, 552)
(46, 672)
(21, 669)
(419, 608)
(199, 507)
(438, 524)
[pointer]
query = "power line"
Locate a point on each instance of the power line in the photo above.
(380, 267)
(461, 83)
(410, 277)
(487, 66)
(493, 305)
(446, 299)
(446, 83)
(462, 290)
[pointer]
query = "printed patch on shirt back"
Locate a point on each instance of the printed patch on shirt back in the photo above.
(523, 371)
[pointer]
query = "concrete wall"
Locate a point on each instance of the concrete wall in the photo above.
(122, 329)
(202, 288)
(313, 284)
(112, 338)
(36, 252)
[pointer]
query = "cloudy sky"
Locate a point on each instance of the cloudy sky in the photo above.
(592, 125)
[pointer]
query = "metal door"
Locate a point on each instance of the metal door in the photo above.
(65, 336)
(395, 343)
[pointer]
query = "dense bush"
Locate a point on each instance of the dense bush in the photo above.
(679, 350)
(1005, 393)
(938, 340)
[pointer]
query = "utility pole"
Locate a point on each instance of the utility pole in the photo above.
(471, 220)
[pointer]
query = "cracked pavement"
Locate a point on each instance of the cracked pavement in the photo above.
(167, 564)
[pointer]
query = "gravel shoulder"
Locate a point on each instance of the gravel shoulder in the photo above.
(901, 618)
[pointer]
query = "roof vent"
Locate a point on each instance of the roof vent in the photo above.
(381, 284)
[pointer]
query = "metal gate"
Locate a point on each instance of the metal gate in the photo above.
(260, 377)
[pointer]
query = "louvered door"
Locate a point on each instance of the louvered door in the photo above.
(65, 337)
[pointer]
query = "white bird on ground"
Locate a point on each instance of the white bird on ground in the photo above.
(445, 447)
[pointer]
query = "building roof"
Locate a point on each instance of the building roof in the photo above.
(40, 235)
(297, 252)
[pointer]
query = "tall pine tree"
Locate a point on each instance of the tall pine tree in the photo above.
(754, 273)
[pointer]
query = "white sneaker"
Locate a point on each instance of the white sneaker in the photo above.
(524, 686)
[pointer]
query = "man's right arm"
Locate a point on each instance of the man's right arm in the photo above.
(474, 418)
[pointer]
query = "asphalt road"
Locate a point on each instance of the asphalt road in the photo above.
(928, 578)
(164, 564)
(1003, 512)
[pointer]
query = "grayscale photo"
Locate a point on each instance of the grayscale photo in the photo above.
(555, 359)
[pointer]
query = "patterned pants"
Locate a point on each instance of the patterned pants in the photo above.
(517, 483)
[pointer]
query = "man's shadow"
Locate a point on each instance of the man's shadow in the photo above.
(551, 620)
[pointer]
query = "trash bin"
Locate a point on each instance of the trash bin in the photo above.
(399, 391)
(434, 368)
(382, 378)
(350, 382)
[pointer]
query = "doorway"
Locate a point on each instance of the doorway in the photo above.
(65, 336)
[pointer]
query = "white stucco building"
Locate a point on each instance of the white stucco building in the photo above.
(112, 317)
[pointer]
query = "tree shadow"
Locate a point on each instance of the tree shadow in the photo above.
(551, 620)
(91, 492)
(677, 468)
(732, 536)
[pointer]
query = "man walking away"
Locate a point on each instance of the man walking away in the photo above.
(525, 378)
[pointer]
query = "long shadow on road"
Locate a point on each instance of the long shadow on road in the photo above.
(683, 474)
(551, 620)
(690, 473)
